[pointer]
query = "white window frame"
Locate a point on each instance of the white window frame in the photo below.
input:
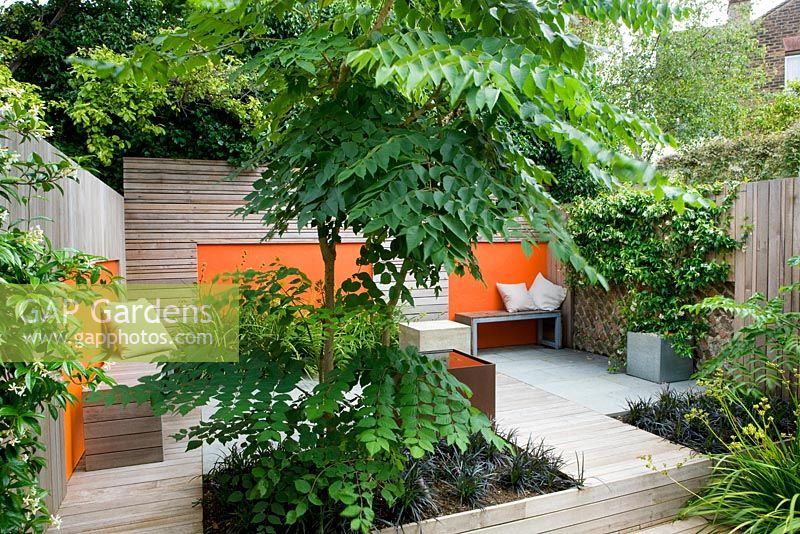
(791, 69)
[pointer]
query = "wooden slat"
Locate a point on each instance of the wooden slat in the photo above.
(53, 476)
(153, 497)
(94, 414)
(116, 428)
(171, 206)
(770, 207)
(123, 442)
(108, 460)
(620, 494)
(88, 216)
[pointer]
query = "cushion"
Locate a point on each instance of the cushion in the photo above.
(128, 321)
(546, 295)
(516, 297)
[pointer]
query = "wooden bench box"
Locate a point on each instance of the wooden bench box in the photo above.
(117, 435)
(473, 319)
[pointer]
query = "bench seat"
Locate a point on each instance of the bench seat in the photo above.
(473, 319)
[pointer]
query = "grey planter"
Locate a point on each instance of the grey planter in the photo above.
(651, 357)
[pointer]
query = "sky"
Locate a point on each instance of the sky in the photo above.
(762, 6)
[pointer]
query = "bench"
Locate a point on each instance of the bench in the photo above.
(473, 319)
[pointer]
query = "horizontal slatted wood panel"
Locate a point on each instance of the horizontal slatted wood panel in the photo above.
(88, 216)
(171, 206)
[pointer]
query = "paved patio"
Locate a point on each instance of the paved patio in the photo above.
(574, 375)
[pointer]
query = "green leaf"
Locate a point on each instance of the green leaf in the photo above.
(302, 486)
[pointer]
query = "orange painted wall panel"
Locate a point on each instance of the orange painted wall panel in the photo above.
(505, 263)
(218, 259)
(74, 440)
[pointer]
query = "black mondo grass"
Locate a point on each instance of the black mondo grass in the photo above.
(669, 416)
(445, 481)
(468, 479)
(533, 468)
(418, 499)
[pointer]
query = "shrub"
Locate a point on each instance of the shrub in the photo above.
(671, 415)
(754, 157)
(332, 445)
(764, 355)
(289, 312)
(664, 258)
(446, 480)
(755, 483)
(776, 111)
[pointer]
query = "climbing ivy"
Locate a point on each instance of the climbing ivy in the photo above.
(664, 258)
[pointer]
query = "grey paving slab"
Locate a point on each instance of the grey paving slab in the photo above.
(581, 377)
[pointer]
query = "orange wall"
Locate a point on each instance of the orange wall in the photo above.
(505, 263)
(74, 441)
(218, 259)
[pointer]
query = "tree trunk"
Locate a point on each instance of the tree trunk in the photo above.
(386, 335)
(327, 244)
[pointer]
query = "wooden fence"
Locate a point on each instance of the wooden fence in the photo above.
(772, 211)
(88, 216)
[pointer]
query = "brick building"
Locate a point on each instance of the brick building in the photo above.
(779, 33)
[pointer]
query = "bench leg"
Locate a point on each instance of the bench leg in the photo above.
(558, 333)
(539, 331)
(554, 343)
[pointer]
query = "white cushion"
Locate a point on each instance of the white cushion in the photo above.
(128, 321)
(546, 295)
(516, 297)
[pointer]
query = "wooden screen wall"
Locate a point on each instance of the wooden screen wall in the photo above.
(171, 206)
(88, 216)
(53, 477)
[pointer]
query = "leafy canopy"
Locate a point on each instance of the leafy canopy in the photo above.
(204, 116)
(697, 81)
(392, 118)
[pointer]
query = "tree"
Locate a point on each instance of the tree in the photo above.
(391, 119)
(202, 117)
(695, 82)
(397, 120)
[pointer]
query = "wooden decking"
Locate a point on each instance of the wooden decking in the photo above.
(687, 526)
(143, 499)
(148, 498)
(621, 494)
